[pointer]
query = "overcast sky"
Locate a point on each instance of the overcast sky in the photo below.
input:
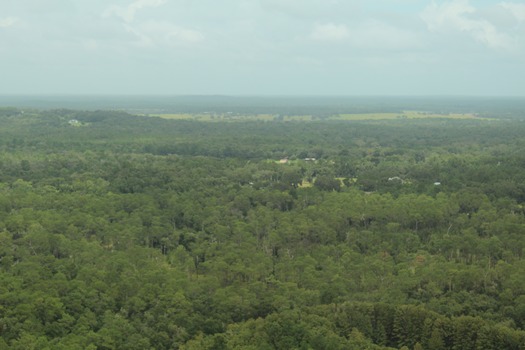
(270, 47)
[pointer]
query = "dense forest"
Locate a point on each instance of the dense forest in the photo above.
(121, 231)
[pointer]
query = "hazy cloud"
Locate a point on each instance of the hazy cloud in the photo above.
(128, 13)
(162, 33)
(151, 33)
(517, 10)
(330, 32)
(459, 15)
(310, 8)
(8, 22)
(370, 34)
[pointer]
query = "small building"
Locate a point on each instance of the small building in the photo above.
(396, 178)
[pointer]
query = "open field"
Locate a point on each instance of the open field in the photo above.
(405, 115)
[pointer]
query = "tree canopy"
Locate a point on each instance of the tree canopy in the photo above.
(132, 232)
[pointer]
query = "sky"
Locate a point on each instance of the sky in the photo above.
(263, 47)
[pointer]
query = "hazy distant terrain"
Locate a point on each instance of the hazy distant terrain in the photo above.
(494, 107)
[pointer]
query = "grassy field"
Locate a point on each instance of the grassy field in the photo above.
(404, 115)
(214, 117)
(363, 116)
